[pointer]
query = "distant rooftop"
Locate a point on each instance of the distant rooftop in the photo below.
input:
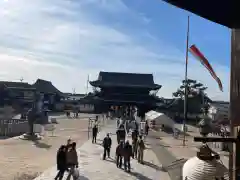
(125, 79)
(46, 87)
(11, 84)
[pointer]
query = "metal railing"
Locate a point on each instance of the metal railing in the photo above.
(13, 127)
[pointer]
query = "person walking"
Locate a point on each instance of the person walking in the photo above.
(119, 154)
(69, 144)
(134, 143)
(72, 160)
(140, 149)
(121, 133)
(146, 128)
(107, 143)
(94, 133)
(61, 162)
(127, 156)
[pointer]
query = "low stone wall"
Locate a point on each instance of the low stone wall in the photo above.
(13, 127)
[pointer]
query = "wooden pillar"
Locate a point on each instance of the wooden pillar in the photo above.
(234, 160)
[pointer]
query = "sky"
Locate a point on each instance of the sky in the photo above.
(64, 41)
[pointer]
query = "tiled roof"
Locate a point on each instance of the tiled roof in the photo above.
(10, 84)
(125, 79)
(46, 87)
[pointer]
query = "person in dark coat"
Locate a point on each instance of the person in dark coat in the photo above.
(134, 134)
(140, 149)
(134, 143)
(127, 156)
(121, 133)
(72, 160)
(146, 128)
(94, 133)
(61, 162)
(69, 144)
(119, 154)
(107, 143)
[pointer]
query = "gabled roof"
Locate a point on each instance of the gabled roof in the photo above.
(125, 79)
(46, 87)
(18, 85)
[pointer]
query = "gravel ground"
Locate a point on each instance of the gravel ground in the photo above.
(19, 157)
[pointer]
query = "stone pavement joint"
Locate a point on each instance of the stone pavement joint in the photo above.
(92, 167)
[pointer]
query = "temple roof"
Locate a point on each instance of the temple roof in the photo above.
(107, 79)
(224, 12)
(17, 85)
(44, 86)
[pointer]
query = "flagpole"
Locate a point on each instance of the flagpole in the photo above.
(186, 88)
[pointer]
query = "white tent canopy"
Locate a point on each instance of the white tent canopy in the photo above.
(160, 119)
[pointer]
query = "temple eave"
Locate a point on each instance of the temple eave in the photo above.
(100, 84)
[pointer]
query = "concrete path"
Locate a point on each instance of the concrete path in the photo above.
(92, 167)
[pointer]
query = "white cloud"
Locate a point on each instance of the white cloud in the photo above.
(64, 41)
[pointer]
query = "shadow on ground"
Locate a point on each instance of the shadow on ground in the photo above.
(42, 145)
(110, 160)
(80, 177)
(139, 176)
(151, 165)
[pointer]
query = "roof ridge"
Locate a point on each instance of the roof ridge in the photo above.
(44, 80)
(133, 73)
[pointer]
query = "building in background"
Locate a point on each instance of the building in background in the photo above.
(219, 111)
(51, 95)
(16, 94)
(124, 90)
(73, 96)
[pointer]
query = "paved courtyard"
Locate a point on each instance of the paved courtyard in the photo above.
(23, 157)
(92, 167)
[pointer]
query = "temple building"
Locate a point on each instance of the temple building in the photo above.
(51, 95)
(16, 94)
(125, 90)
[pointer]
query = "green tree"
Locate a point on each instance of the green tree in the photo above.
(197, 97)
(194, 89)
